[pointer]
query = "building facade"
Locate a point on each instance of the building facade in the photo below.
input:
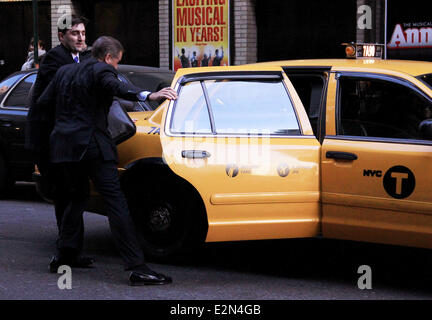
(258, 30)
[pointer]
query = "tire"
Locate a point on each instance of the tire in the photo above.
(169, 218)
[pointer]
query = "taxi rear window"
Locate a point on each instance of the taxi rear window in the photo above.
(239, 107)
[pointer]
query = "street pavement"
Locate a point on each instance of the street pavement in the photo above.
(255, 270)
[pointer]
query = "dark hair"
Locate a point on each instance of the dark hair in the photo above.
(104, 45)
(40, 43)
(75, 20)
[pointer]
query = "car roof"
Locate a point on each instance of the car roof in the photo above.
(243, 67)
(414, 68)
(142, 69)
(22, 72)
(123, 68)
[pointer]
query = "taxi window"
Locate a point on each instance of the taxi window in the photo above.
(427, 79)
(20, 94)
(248, 107)
(379, 108)
(191, 114)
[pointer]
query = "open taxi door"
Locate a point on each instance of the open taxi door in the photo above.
(376, 166)
(242, 139)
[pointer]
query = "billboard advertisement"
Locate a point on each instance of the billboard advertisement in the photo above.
(200, 33)
(409, 31)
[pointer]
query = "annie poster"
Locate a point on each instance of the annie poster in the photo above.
(200, 33)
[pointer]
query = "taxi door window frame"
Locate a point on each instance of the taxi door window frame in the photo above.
(323, 73)
(230, 76)
(171, 111)
(373, 76)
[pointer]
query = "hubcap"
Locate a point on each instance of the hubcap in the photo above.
(160, 219)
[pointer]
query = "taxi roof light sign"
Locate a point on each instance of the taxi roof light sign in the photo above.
(364, 50)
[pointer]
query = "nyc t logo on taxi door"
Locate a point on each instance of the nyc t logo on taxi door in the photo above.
(399, 182)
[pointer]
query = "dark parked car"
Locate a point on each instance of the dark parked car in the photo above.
(15, 160)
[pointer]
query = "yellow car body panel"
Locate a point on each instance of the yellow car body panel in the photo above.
(145, 143)
(257, 203)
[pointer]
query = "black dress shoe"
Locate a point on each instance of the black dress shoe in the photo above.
(142, 278)
(82, 262)
(76, 262)
(54, 264)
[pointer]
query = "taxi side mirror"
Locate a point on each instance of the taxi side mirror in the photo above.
(425, 129)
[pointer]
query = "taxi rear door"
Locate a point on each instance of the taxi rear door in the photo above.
(376, 166)
(241, 137)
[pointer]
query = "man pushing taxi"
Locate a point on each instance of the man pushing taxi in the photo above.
(82, 147)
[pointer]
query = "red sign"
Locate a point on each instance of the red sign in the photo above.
(415, 35)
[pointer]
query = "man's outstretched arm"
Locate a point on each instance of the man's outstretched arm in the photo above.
(108, 79)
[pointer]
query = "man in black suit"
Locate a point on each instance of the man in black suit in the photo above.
(83, 148)
(40, 122)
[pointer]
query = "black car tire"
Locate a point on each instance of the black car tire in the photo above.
(169, 218)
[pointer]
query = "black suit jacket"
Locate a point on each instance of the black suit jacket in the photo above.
(40, 122)
(82, 94)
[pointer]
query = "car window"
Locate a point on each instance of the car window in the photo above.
(251, 107)
(379, 108)
(190, 113)
(151, 81)
(131, 106)
(237, 107)
(20, 94)
(137, 106)
(310, 89)
(7, 83)
(427, 79)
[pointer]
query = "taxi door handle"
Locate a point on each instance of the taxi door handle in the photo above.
(341, 155)
(195, 154)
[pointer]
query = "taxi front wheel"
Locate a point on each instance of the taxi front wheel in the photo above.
(169, 218)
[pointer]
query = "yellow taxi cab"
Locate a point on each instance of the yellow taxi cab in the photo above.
(287, 149)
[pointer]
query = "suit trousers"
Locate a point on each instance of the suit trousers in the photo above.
(55, 188)
(104, 176)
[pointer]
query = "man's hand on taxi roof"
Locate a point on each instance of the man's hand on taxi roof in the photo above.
(165, 93)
